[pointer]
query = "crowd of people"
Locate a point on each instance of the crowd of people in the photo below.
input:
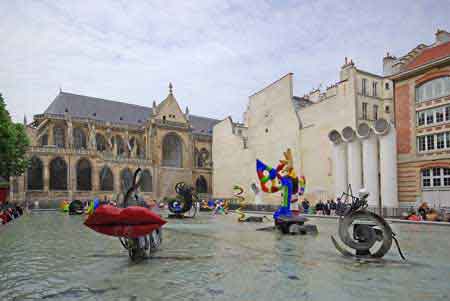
(8, 212)
(320, 208)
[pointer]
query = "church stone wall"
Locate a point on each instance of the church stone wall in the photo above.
(167, 119)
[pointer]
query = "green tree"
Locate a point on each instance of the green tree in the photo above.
(13, 144)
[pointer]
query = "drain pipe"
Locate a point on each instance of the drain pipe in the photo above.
(388, 163)
(370, 164)
(354, 159)
(339, 163)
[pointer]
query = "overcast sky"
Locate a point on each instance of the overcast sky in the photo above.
(216, 53)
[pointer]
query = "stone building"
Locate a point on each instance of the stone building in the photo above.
(422, 114)
(275, 119)
(85, 147)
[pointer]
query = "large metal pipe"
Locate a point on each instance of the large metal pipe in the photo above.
(370, 164)
(354, 158)
(339, 163)
(388, 163)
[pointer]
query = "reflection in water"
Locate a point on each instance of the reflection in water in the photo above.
(53, 256)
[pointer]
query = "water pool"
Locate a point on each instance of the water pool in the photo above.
(53, 256)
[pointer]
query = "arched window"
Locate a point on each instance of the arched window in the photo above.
(202, 158)
(146, 181)
(126, 179)
(141, 150)
(172, 151)
(106, 179)
(101, 142)
(434, 88)
(132, 142)
(59, 136)
(136, 145)
(201, 186)
(35, 176)
(196, 157)
(120, 145)
(58, 174)
(84, 182)
(43, 141)
(133, 146)
(79, 138)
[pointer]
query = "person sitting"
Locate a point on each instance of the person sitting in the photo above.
(423, 210)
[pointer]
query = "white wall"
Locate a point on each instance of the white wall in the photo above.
(318, 121)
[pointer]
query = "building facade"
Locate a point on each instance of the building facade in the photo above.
(85, 147)
(275, 120)
(422, 114)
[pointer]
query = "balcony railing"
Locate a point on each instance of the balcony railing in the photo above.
(173, 124)
(107, 156)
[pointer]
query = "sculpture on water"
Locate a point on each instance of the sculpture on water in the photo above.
(238, 191)
(184, 203)
(284, 178)
(137, 227)
(367, 233)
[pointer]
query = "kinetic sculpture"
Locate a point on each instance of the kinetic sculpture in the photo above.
(74, 207)
(138, 228)
(207, 206)
(221, 207)
(238, 191)
(368, 228)
(186, 196)
(283, 178)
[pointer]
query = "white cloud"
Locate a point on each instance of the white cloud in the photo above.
(216, 53)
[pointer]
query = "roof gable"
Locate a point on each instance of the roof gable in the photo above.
(169, 109)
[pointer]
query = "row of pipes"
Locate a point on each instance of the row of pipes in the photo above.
(367, 158)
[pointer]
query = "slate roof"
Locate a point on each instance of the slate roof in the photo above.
(81, 106)
(202, 125)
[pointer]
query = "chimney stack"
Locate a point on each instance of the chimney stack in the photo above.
(442, 36)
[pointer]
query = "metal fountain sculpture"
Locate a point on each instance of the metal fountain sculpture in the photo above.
(145, 245)
(365, 232)
(243, 218)
(184, 203)
(137, 227)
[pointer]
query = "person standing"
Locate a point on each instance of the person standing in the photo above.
(305, 205)
(319, 208)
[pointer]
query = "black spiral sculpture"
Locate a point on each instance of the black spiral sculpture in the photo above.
(368, 229)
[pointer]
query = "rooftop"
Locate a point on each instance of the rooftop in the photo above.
(81, 106)
(429, 55)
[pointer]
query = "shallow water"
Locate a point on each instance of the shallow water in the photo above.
(53, 256)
